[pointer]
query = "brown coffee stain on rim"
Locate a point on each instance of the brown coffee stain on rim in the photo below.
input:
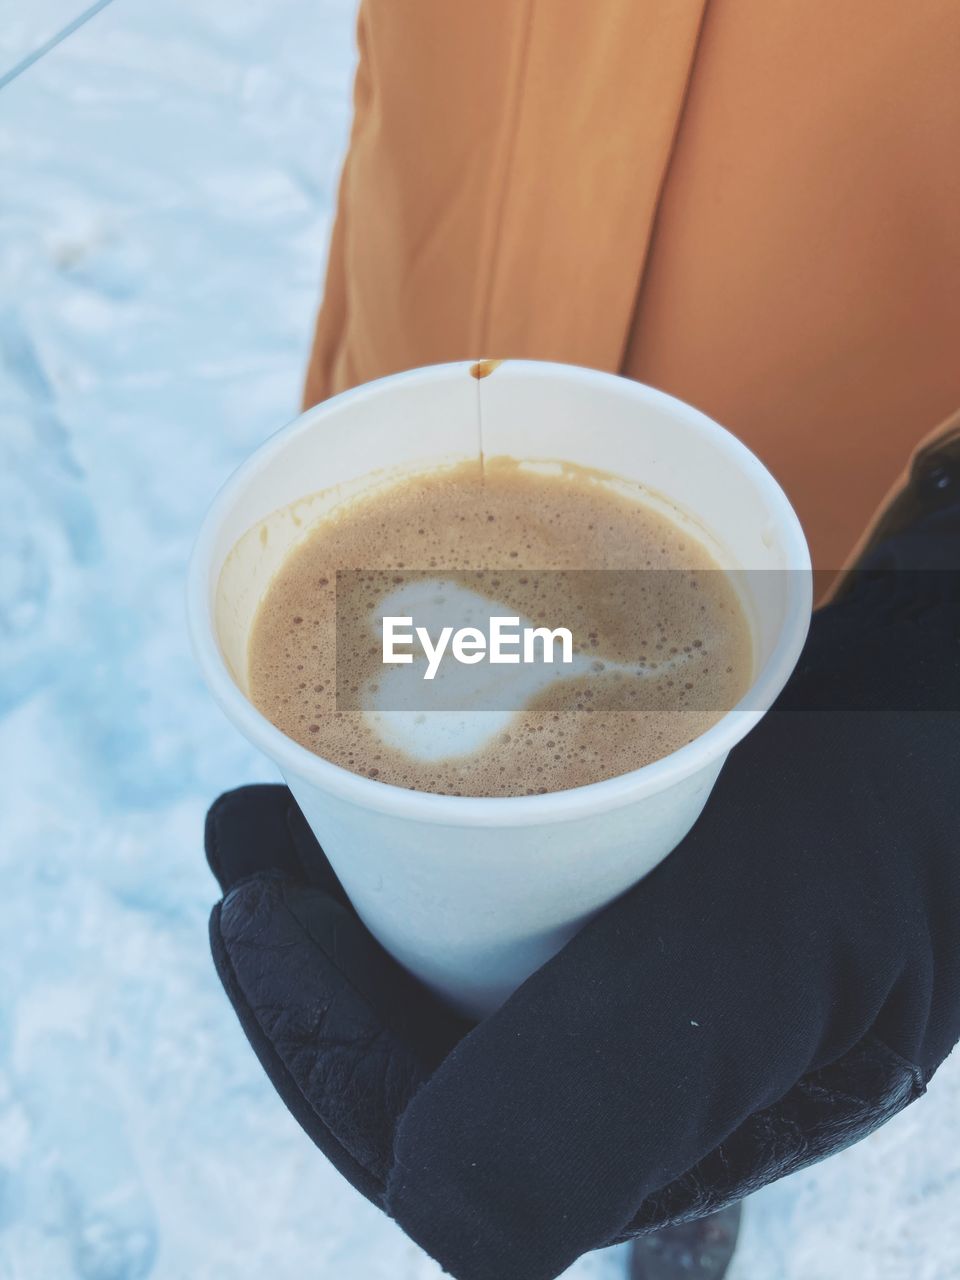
(484, 368)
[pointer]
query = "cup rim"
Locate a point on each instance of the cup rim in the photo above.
(553, 806)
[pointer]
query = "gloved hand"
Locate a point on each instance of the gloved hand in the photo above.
(783, 983)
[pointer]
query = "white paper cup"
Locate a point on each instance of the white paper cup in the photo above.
(472, 895)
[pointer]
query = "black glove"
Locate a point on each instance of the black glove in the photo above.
(784, 982)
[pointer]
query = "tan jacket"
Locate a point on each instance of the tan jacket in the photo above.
(753, 204)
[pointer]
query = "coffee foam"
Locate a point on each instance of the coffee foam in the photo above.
(500, 539)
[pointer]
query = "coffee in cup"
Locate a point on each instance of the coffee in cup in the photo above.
(472, 893)
(660, 646)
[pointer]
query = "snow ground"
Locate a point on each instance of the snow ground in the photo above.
(167, 178)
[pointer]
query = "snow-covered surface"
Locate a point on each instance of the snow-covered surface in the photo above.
(166, 181)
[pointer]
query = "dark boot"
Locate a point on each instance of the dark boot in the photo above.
(699, 1250)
